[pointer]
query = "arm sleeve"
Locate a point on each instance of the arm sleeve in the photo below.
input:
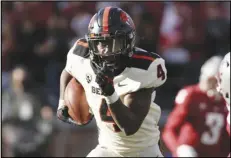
(176, 119)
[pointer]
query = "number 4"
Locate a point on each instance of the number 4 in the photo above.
(160, 72)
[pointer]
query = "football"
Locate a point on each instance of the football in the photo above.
(75, 99)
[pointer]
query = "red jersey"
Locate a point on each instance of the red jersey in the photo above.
(199, 121)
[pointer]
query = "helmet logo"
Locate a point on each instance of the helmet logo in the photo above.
(127, 19)
(123, 17)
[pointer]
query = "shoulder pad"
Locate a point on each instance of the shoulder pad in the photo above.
(81, 48)
(148, 72)
(190, 90)
(142, 59)
(183, 95)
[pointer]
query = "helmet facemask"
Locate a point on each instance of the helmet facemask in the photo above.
(109, 51)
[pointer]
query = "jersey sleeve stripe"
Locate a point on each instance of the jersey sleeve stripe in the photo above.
(143, 57)
(81, 48)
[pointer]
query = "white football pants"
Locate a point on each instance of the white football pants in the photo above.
(101, 151)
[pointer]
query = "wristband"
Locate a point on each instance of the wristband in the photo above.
(61, 103)
(112, 99)
(185, 150)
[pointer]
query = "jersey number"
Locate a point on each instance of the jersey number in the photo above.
(215, 122)
(160, 72)
(106, 116)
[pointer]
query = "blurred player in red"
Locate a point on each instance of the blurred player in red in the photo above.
(197, 125)
(224, 85)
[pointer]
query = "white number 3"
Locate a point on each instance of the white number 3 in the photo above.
(215, 122)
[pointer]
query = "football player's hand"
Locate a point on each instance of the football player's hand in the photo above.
(105, 81)
(62, 114)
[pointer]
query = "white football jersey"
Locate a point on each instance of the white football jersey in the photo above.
(224, 81)
(145, 71)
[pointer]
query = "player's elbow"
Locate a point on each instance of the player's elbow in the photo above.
(130, 132)
(167, 134)
(132, 128)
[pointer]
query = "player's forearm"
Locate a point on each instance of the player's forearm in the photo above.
(170, 133)
(174, 123)
(170, 139)
(124, 118)
(64, 80)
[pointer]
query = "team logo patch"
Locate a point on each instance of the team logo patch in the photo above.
(123, 17)
(88, 78)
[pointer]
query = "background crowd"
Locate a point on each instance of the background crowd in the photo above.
(36, 37)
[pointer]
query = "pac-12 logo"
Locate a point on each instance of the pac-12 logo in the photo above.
(88, 78)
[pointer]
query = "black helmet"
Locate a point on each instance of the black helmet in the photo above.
(111, 38)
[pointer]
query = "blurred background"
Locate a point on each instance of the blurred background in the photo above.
(36, 37)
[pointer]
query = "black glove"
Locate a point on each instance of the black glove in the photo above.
(63, 115)
(104, 78)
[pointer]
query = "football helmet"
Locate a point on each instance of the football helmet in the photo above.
(224, 78)
(209, 71)
(111, 38)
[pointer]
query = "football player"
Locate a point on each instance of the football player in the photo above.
(224, 84)
(196, 126)
(119, 80)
